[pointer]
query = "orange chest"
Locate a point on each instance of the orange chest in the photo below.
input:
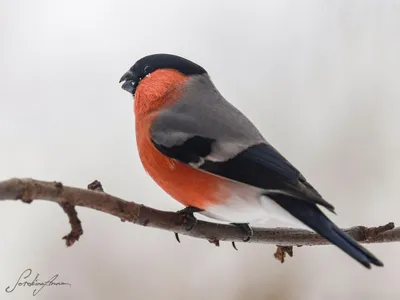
(185, 184)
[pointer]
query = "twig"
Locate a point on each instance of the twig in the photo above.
(281, 252)
(76, 226)
(28, 190)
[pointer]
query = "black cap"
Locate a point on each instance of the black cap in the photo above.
(151, 63)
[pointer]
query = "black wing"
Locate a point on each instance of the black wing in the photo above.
(260, 165)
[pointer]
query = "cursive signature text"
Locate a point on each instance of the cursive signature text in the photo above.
(24, 281)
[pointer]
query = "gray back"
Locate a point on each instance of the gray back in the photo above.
(202, 111)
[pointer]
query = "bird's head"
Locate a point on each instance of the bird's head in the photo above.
(151, 64)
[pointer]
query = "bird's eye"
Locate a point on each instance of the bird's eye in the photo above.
(147, 69)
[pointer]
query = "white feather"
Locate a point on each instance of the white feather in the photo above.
(246, 204)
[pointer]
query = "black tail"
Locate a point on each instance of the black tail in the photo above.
(314, 218)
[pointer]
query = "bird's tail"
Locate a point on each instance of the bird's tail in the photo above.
(314, 218)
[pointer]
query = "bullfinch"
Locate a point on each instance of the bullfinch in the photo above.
(207, 155)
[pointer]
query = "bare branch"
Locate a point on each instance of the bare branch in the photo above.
(28, 190)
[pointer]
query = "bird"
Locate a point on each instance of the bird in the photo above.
(206, 154)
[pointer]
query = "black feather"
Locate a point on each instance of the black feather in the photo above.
(313, 217)
(191, 151)
(260, 165)
(264, 167)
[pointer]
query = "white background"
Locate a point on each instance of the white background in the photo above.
(319, 78)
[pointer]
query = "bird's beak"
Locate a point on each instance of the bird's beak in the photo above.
(131, 82)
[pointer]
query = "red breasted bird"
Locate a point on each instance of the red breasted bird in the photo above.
(210, 157)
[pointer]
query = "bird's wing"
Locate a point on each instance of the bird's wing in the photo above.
(206, 132)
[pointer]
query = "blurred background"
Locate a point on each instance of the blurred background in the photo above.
(319, 78)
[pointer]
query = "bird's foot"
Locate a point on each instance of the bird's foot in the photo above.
(247, 230)
(188, 218)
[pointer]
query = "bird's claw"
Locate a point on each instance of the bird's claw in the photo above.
(177, 237)
(247, 229)
(190, 221)
(234, 246)
(188, 218)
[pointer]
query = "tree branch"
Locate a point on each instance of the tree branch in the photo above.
(67, 197)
